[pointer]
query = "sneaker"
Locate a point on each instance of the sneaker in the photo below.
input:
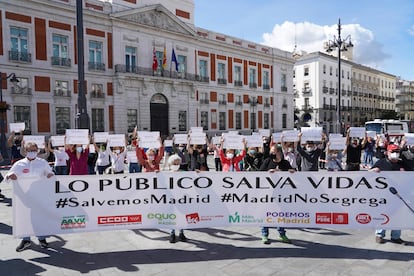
(23, 245)
(172, 238)
(265, 240)
(182, 238)
(399, 241)
(43, 243)
(379, 239)
(2, 196)
(284, 238)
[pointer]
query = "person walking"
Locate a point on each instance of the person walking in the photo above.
(30, 167)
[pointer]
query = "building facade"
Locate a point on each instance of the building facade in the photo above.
(405, 99)
(146, 65)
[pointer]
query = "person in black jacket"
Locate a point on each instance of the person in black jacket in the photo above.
(275, 162)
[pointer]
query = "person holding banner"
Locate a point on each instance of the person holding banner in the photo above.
(354, 152)
(15, 142)
(392, 162)
(60, 166)
(289, 152)
(253, 159)
(78, 159)
(103, 159)
(30, 167)
(181, 151)
(333, 159)
(151, 159)
(229, 160)
(118, 155)
(274, 163)
(309, 155)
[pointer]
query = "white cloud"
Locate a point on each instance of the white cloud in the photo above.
(411, 31)
(310, 37)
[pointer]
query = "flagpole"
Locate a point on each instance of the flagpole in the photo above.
(171, 63)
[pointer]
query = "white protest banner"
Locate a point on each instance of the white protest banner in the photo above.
(116, 140)
(100, 137)
(92, 148)
(77, 136)
(337, 142)
(17, 127)
(168, 143)
(180, 139)
(372, 134)
(347, 200)
(216, 140)
(57, 141)
(254, 141)
(39, 140)
(149, 139)
(198, 138)
(311, 134)
(409, 138)
(357, 132)
(277, 137)
(290, 135)
(264, 132)
(233, 141)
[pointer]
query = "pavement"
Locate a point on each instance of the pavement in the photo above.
(212, 251)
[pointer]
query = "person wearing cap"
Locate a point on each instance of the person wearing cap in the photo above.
(391, 162)
(353, 152)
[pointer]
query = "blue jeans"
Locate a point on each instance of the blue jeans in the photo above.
(265, 231)
(395, 234)
(39, 237)
(368, 159)
(101, 169)
(61, 170)
(134, 168)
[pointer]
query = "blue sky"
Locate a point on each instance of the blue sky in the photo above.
(382, 31)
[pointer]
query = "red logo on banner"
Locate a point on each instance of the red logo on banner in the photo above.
(192, 218)
(323, 218)
(339, 218)
(363, 218)
(26, 171)
(331, 218)
(120, 219)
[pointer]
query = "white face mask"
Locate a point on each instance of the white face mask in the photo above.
(290, 149)
(334, 155)
(117, 151)
(180, 148)
(31, 154)
(151, 157)
(229, 155)
(394, 155)
(79, 149)
(309, 149)
(174, 168)
(381, 144)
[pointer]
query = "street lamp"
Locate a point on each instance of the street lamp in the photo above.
(3, 109)
(341, 45)
(253, 102)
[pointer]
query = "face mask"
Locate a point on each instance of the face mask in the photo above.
(31, 154)
(381, 144)
(61, 148)
(334, 155)
(229, 155)
(394, 155)
(309, 149)
(79, 149)
(174, 168)
(290, 149)
(180, 148)
(252, 152)
(151, 157)
(117, 151)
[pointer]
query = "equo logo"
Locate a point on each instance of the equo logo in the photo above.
(160, 216)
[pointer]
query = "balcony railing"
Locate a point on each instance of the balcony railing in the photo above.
(21, 90)
(97, 94)
(325, 90)
(238, 83)
(204, 101)
(222, 81)
(284, 105)
(283, 88)
(59, 61)
(202, 78)
(98, 66)
(252, 85)
(222, 102)
(306, 107)
(239, 103)
(306, 90)
(266, 104)
(331, 90)
(20, 56)
(61, 92)
(266, 86)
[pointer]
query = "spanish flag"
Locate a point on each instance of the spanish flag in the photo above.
(154, 60)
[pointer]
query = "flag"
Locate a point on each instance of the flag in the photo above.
(174, 59)
(154, 60)
(164, 59)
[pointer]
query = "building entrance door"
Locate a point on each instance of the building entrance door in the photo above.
(159, 114)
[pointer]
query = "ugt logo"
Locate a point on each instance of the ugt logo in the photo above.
(235, 218)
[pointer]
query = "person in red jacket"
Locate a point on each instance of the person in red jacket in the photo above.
(229, 160)
(150, 160)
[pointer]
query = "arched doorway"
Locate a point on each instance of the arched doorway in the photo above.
(159, 114)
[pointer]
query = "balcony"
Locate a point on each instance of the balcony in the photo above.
(283, 88)
(252, 85)
(239, 103)
(307, 107)
(306, 91)
(238, 83)
(326, 106)
(202, 78)
(16, 90)
(98, 66)
(222, 81)
(20, 56)
(59, 61)
(59, 92)
(331, 91)
(284, 105)
(97, 94)
(325, 90)
(222, 102)
(204, 101)
(267, 105)
(266, 87)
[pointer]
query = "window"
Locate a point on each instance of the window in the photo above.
(61, 88)
(97, 91)
(22, 87)
(253, 120)
(60, 50)
(204, 98)
(204, 120)
(130, 59)
(182, 64)
(203, 68)
(306, 71)
(19, 45)
(283, 83)
(324, 68)
(222, 99)
(252, 78)
(22, 114)
(98, 120)
(222, 120)
(62, 119)
(221, 67)
(182, 120)
(238, 120)
(95, 56)
(237, 76)
(266, 80)
(284, 120)
(132, 119)
(266, 121)
(330, 70)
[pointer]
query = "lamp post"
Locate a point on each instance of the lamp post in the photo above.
(253, 102)
(3, 109)
(341, 45)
